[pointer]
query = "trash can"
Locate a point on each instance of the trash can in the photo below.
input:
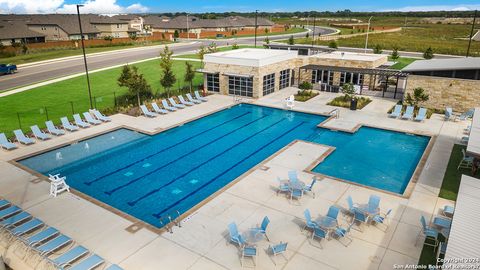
(353, 104)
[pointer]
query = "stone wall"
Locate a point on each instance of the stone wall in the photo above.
(459, 94)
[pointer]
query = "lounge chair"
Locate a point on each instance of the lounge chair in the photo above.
(88, 117)
(199, 97)
(89, 263)
(290, 102)
(191, 99)
(319, 233)
(4, 203)
(52, 129)
(466, 115)
(448, 113)
(39, 134)
(22, 138)
(234, 235)
(408, 113)
(448, 211)
(42, 236)
(13, 220)
(309, 188)
(278, 249)
(282, 186)
(428, 233)
(174, 104)
(79, 122)
(397, 111)
(100, 116)
(53, 245)
(343, 233)
(184, 102)
(158, 109)
(168, 107)
(70, 256)
(333, 212)
(422, 114)
(263, 227)
(67, 125)
(309, 223)
(6, 143)
(27, 227)
(382, 219)
(10, 211)
(466, 162)
(147, 112)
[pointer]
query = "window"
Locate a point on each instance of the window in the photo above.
(240, 86)
(330, 77)
(213, 82)
(284, 78)
(268, 84)
(118, 25)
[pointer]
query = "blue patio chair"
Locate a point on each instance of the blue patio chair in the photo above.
(191, 99)
(89, 263)
(22, 138)
(448, 210)
(247, 251)
(442, 222)
(10, 211)
(296, 194)
(333, 212)
(199, 97)
(278, 249)
(67, 125)
(53, 245)
(422, 114)
(175, 104)
(68, 257)
(467, 114)
(100, 116)
(27, 227)
(319, 233)
(293, 176)
(52, 129)
(234, 235)
(396, 111)
(382, 219)
(343, 233)
(448, 113)
(168, 107)
(39, 134)
(4, 203)
(309, 223)
(309, 188)
(373, 204)
(442, 249)
(351, 205)
(263, 227)
(11, 221)
(79, 121)
(360, 218)
(147, 112)
(89, 118)
(466, 162)
(282, 186)
(158, 109)
(6, 143)
(184, 102)
(408, 113)
(428, 233)
(40, 237)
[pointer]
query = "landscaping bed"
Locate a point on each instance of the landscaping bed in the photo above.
(305, 95)
(344, 101)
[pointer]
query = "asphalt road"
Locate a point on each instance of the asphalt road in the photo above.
(34, 73)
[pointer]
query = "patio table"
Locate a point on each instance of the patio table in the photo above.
(252, 236)
(364, 208)
(296, 185)
(327, 223)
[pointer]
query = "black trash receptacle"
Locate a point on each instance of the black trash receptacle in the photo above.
(353, 104)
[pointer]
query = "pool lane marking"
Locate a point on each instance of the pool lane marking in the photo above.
(159, 214)
(88, 183)
(132, 203)
(110, 192)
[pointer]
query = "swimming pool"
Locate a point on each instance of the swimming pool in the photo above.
(150, 177)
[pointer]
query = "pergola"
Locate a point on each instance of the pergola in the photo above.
(382, 72)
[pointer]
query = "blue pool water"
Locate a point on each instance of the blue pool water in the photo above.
(150, 177)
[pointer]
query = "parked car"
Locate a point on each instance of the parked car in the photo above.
(7, 69)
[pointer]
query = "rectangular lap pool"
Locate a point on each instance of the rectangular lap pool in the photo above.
(150, 177)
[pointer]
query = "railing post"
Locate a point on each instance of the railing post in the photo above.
(71, 104)
(46, 112)
(19, 122)
(114, 100)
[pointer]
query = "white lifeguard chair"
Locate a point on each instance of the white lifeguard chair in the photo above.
(290, 102)
(58, 185)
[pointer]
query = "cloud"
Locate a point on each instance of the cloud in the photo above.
(459, 7)
(58, 6)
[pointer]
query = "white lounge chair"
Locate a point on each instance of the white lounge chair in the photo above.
(168, 107)
(52, 129)
(22, 138)
(158, 109)
(184, 102)
(199, 97)
(39, 134)
(396, 112)
(191, 99)
(100, 116)
(79, 122)
(67, 125)
(88, 117)
(6, 143)
(146, 112)
(290, 102)
(174, 104)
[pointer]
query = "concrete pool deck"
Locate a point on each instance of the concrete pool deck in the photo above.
(201, 243)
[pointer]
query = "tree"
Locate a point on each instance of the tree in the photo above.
(291, 40)
(266, 41)
(266, 31)
(189, 74)
(235, 46)
(168, 78)
(349, 90)
(137, 84)
(377, 49)
(212, 48)
(176, 34)
(428, 54)
(305, 86)
(307, 35)
(395, 54)
(419, 96)
(24, 48)
(333, 44)
(201, 53)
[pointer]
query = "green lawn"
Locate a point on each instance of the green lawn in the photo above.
(221, 49)
(57, 99)
(261, 35)
(40, 55)
(402, 62)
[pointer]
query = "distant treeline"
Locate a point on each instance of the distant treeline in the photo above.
(343, 13)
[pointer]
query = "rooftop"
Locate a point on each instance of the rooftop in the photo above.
(444, 64)
(250, 57)
(338, 55)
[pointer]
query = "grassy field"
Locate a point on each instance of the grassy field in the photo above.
(261, 35)
(221, 49)
(57, 99)
(35, 56)
(402, 62)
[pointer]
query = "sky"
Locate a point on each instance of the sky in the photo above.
(198, 6)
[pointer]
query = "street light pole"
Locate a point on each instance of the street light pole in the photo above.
(84, 56)
(313, 35)
(368, 30)
(256, 15)
(188, 31)
(471, 33)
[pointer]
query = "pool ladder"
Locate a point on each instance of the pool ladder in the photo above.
(169, 221)
(335, 112)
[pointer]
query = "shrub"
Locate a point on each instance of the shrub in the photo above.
(419, 96)
(291, 40)
(395, 54)
(428, 54)
(343, 101)
(304, 95)
(305, 86)
(377, 49)
(333, 44)
(108, 38)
